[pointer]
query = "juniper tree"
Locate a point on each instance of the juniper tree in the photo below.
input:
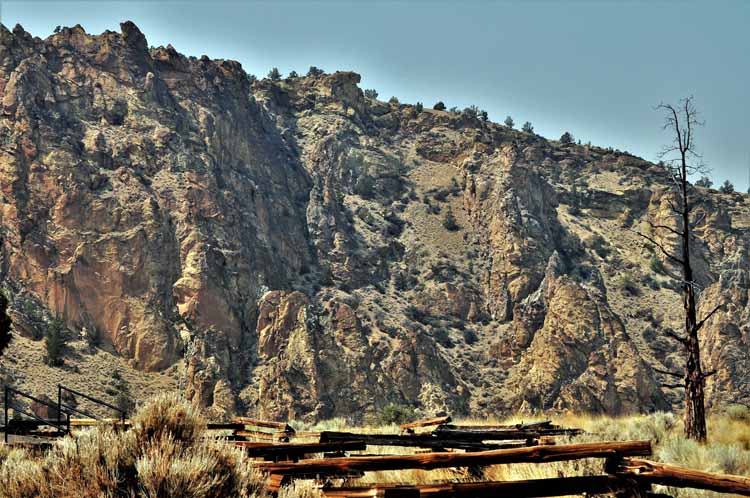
(527, 127)
(681, 160)
(727, 187)
(509, 122)
(54, 342)
(274, 74)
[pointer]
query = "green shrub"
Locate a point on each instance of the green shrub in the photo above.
(274, 74)
(657, 265)
(470, 337)
(439, 106)
(704, 182)
(396, 414)
(371, 93)
(314, 71)
(739, 412)
(727, 187)
(449, 220)
(629, 285)
(54, 342)
(528, 127)
(566, 138)
(509, 122)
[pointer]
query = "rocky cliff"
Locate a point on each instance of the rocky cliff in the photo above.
(294, 249)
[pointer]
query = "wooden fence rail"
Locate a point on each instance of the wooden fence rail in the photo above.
(427, 461)
(679, 477)
(560, 486)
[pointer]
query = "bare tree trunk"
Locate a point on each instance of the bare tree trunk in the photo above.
(695, 417)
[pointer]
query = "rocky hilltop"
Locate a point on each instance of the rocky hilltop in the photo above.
(295, 249)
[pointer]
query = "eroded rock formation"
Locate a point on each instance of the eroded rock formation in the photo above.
(284, 242)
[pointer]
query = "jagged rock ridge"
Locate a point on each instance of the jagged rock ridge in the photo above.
(283, 244)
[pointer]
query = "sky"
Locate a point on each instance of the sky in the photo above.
(594, 68)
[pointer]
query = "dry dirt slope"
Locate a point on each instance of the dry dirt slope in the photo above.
(281, 247)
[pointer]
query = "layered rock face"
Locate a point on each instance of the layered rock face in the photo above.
(286, 243)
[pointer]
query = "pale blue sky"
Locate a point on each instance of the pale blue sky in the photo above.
(593, 68)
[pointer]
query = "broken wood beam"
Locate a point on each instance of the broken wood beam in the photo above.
(559, 486)
(427, 422)
(469, 433)
(280, 426)
(427, 461)
(678, 477)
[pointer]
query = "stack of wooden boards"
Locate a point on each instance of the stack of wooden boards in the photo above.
(472, 447)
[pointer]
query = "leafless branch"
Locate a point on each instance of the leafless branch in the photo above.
(701, 323)
(659, 246)
(667, 372)
(664, 227)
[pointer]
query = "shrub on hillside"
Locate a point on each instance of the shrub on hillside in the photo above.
(449, 221)
(566, 138)
(739, 412)
(727, 187)
(54, 342)
(509, 122)
(657, 265)
(314, 71)
(396, 414)
(704, 182)
(371, 93)
(470, 337)
(528, 127)
(274, 74)
(439, 106)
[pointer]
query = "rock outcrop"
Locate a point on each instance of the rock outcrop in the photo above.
(285, 246)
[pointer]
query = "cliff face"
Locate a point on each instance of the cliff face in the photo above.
(286, 244)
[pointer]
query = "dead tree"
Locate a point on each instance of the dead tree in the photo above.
(682, 160)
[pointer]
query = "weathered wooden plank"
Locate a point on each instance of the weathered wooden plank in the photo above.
(409, 440)
(560, 486)
(678, 477)
(270, 436)
(224, 426)
(469, 433)
(281, 426)
(427, 422)
(427, 461)
(297, 449)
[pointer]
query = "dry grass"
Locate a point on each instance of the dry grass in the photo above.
(166, 455)
(728, 450)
